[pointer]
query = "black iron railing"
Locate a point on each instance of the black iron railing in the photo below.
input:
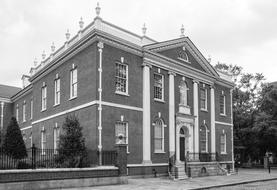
(48, 158)
(207, 157)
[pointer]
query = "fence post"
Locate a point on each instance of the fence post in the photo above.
(121, 161)
(33, 156)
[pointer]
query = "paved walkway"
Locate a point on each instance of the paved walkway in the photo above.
(243, 176)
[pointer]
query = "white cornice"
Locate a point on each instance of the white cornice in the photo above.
(22, 92)
(6, 100)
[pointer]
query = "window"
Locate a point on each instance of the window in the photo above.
(43, 141)
(31, 109)
(203, 99)
(73, 82)
(158, 87)
(31, 140)
(43, 97)
(159, 136)
(24, 112)
(183, 92)
(57, 91)
(222, 103)
(17, 113)
(223, 143)
(121, 133)
(56, 138)
(121, 78)
(182, 55)
(203, 138)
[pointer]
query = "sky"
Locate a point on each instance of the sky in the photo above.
(240, 32)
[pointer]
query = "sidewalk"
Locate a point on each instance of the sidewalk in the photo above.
(243, 176)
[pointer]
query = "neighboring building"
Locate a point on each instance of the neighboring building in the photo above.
(163, 99)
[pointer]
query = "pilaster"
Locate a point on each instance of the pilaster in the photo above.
(213, 147)
(196, 114)
(2, 115)
(171, 114)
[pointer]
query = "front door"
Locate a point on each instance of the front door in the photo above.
(182, 148)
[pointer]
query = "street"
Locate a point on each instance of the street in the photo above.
(267, 185)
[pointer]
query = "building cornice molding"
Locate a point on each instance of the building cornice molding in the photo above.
(22, 92)
(6, 100)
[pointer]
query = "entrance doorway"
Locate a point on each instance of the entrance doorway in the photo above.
(182, 145)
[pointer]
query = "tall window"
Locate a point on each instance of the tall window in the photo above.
(223, 143)
(203, 98)
(121, 78)
(24, 111)
(17, 113)
(203, 139)
(158, 87)
(57, 91)
(43, 141)
(222, 104)
(159, 136)
(73, 82)
(56, 138)
(183, 93)
(43, 97)
(121, 133)
(31, 109)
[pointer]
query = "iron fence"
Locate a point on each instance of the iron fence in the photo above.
(49, 158)
(207, 157)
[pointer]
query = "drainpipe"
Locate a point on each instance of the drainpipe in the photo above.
(100, 46)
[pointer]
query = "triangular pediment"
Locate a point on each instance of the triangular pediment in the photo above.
(183, 51)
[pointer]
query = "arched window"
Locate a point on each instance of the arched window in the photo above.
(182, 55)
(203, 138)
(183, 93)
(159, 136)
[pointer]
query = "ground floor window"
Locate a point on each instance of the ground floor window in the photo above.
(121, 133)
(203, 139)
(159, 136)
(223, 143)
(43, 141)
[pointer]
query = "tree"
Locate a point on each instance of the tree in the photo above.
(72, 150)
(14, 145)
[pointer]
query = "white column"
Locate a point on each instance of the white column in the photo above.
(177, 144)
(196, 122)
(213, 147)
(232, 128)
(171, 114)
(146, 115)
(190, 127)
(100, 49)
(2, 115)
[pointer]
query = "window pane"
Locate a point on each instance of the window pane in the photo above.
(121, 78)
(158, 86)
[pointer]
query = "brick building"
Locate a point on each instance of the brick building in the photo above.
(163, 99)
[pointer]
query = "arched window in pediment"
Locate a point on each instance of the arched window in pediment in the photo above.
(183, 93)
(182, 55)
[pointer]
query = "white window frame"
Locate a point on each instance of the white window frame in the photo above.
(43, 141)
(225, 144)
(183, 56)
(73, 84)
(162, 136)
(57, 91)
(206, 99)
(56, 138)
(156, 98)
(17, 113)
(224, 104)
(117, 91)
(31, 109)
(206, 142)
(44, 97)
(24, 111)
(124, 123)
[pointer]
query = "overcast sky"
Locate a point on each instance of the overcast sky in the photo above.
(241, 32)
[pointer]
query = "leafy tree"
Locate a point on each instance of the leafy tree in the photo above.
(14, 145)
(72, 150)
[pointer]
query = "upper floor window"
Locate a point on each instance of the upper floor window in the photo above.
(183, 92)
(73, 82)
(222, 103)
(24, 111)
(31, 109)
(17, 113)
(158, 87)
(159, 136)
(121, 133)
(121, 78)
(203, 99)
(56, 138)
(203, 138)
(57, 90)
(223, 143)
(43, 97)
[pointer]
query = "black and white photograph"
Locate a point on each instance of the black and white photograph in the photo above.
(138, 94)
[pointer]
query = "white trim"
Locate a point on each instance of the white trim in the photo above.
(223, 123)
(6, 100)
(143, 165)
(122, 106)
(22, 129)
(171, 114)
(196, 114)
(66, 111)
(213, 144)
